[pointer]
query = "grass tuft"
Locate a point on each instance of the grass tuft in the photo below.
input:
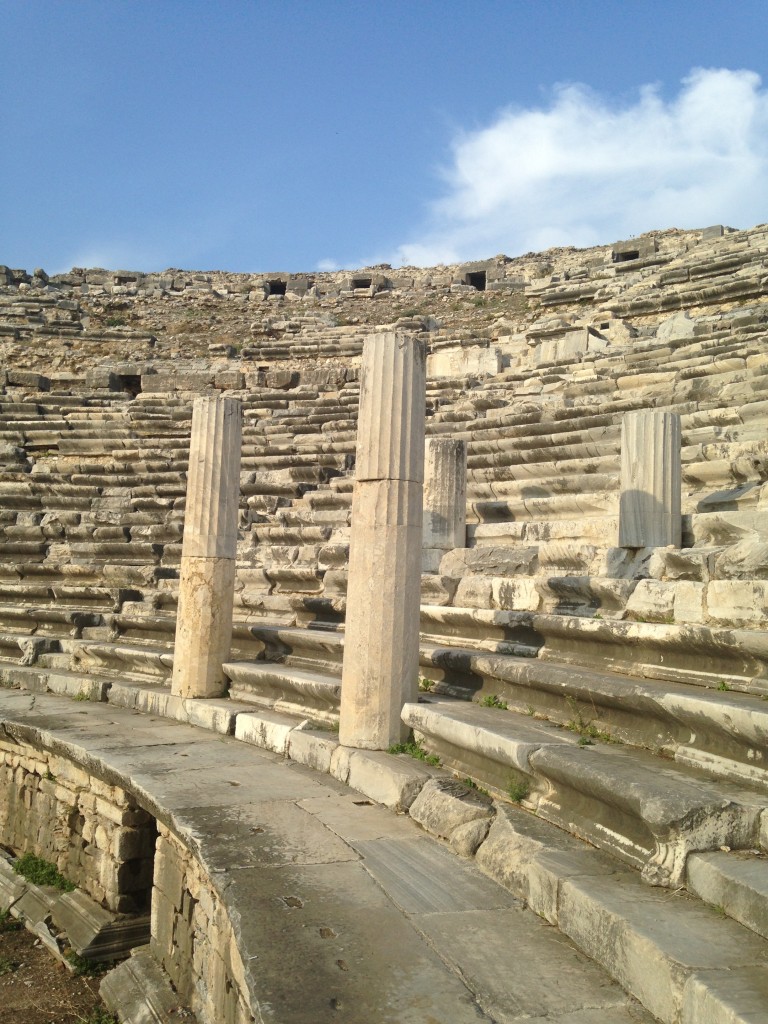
(41, 872)
(492, 700)
(414, 749)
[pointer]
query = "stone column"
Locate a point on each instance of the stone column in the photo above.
(206, 587)
(381, 647)
(445, 500)
(649, 511)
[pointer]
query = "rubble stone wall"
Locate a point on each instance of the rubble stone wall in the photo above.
(192, 937)
(102, 841)
(96, 835)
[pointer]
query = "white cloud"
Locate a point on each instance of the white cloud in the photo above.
(328, 265)
(586, 171)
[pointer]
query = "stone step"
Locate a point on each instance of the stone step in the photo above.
(685, 962)
(716, 729)
(687, 652)
(48, 619)
(286, 689)
(735, 883)
(646, 812)
(114, 660)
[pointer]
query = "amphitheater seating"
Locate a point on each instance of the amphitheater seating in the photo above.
(616, 693)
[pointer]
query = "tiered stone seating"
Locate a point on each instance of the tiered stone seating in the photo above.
(622, 688)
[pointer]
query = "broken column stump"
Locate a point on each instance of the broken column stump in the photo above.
(206, 585)
(445, 500)
(649, 510)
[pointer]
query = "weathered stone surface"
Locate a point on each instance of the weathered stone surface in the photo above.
(650, 480)
(443, 805)
(206, 586)
(445, 499)
(381, 647)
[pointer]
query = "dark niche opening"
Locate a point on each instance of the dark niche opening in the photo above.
(476, 280)
(624, 257)
(276, 287)
(362, 282)
(130, 383)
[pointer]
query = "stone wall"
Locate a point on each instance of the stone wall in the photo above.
(95, 834)
(192, 937)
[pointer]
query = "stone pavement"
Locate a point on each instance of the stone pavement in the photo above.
(341, 909)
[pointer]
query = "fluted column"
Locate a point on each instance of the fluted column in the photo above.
(445, 500)
(649, 511)
(381, 646)
(206, 586)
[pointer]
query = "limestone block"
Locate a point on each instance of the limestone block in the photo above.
(265, 729)
(312, 748)
(690, 602)
(649, 514)
(681, 325)
(688, 564)
(443, 805)
(748, 559)
(467, 839)
(28, 379)
(454, 361)
(390, 442)
(384, 778)
(474, 592)
(438, 590)
(652, 601)
(515, 594)
(738, 602)
(229, 380)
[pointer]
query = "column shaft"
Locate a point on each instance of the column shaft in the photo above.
(207, 579)
(381, 646)
(649, 511)
(445, 500)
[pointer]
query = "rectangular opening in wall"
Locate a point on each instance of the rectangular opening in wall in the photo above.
(624, 257)
(130, 383)
(361, 282)
(276, 287)
(476, 279)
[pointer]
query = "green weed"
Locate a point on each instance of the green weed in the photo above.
(471, 784)
(415, 749)
(8, 923)
(98, 1015)
(7, 966)
(518, 789)
(586, 728)
(723, 686)
(492, 700)
(41, 872)
(83, 967)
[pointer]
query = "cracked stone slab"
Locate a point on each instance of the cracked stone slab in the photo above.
(355, 818)
(423, 877)
(525, 970)
(270, 833)
(330, 931)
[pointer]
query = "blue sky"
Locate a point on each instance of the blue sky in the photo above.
(304, 134)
